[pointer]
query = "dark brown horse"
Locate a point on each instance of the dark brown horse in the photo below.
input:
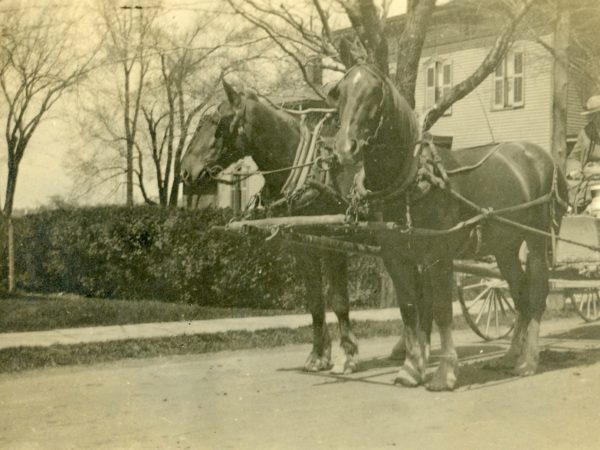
(242, 126)
(377, 140)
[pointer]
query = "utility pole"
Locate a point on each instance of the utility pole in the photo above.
(129, 127)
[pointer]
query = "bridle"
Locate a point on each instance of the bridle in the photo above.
(407, 177)
(370, 141)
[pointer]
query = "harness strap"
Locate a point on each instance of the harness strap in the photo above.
(299, 158)
(310, 156)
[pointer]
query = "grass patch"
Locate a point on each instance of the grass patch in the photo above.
(27, 358)
(39, 313)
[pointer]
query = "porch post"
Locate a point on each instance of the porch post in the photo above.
(560, 84)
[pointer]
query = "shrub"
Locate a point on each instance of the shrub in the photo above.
(152, 253)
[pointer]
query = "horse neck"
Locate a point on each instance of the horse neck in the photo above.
(273, 139)
(397, 138)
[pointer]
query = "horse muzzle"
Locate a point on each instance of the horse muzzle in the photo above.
(349, 152)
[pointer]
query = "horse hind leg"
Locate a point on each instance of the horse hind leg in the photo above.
(510, 268)
(537, 289)
(309, 266)
(336, 273)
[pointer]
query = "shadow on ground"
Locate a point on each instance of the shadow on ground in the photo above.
(561, 351)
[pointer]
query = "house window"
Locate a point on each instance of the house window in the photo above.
(508, 81)
(438, 82)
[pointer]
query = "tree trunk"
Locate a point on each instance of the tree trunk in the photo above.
(129, 181)
(11, 185)
(11, 256)
(410, 47)
(175, 186)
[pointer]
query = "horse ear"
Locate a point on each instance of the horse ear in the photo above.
(234, 97)
(351, 53)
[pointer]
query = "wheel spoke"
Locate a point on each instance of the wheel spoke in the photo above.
(476, 299)
(489, 315)
(482, 308)
(498, 299)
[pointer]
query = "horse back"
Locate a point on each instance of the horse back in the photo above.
(502, 175)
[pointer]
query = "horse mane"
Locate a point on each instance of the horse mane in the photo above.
(406, 117)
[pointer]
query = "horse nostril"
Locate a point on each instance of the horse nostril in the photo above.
(185, 175)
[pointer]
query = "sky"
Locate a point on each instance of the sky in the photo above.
(44, 173)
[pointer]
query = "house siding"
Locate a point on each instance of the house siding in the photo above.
(576, 98)
(253, 184)
(472, 120)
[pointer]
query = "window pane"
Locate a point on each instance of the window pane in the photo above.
(519, 62)
(508, 92)
(518, 90)
(430, 77)
(447, 73)
(498, 92)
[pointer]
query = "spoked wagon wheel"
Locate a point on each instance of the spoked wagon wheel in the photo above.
(586, 302)
(487, 306)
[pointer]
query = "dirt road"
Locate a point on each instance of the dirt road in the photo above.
(262, 400)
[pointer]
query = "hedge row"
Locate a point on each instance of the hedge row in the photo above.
(170, 255)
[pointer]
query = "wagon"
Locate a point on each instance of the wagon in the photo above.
(482, 294)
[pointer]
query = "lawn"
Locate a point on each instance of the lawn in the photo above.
(46, 312)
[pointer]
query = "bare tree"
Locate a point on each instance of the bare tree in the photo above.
(304, 42)
(129, 31)
(181, 97)
(138, 120)
(38, 65)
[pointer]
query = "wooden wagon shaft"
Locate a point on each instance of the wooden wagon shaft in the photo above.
(288, 222)
(308, 240)
(477, 269)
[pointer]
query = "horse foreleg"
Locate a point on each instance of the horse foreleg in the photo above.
(405, 277)
(438, 287)
(537, 288)
(336, 273)
(309, 266)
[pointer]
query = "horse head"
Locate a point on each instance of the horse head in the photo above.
(218, 141)
(377, 128)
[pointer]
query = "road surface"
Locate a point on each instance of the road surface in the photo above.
(260, 399)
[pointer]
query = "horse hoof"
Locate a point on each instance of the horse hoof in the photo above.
(315, 363)
(345, 364)
(408, 377)
(440, 383)
(525, 369)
